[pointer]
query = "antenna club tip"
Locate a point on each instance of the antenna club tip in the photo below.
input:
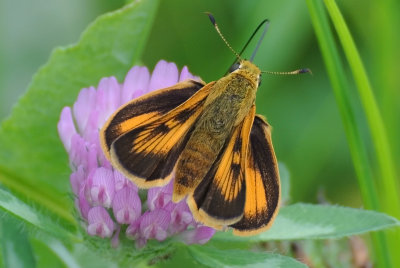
(211, 17)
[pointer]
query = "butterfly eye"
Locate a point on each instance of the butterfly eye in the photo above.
(259, 80)
(234, 67)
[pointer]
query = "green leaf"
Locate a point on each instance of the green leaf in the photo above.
(33, 217)
(306, 221)
(33, 161)
(213, 257)
(17, 250)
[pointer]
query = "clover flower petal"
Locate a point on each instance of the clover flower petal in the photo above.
(126, 205)
(200, 235)
(165, 74)
(100, 222)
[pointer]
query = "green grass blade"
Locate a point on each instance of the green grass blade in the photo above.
(384, 19)
(388, 183)
(357, 146)
(373, 114)
(340, 84)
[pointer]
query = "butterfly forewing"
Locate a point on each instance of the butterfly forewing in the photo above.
(220, 197)
(262, 182)
(147, 154)
(145, 109)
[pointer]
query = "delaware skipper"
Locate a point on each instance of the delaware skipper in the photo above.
(208, 137)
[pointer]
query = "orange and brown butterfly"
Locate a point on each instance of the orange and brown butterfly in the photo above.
(209, 139)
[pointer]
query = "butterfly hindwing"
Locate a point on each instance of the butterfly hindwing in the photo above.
(262, 182)
(144, 109)
(219, 199)
(147, 154)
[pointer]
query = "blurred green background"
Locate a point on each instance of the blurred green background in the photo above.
(307, 129)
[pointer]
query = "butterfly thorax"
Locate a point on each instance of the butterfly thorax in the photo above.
(230, 99)
(228, 103)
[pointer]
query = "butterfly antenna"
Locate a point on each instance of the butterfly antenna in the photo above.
(299, 71)
(252, 36)
(266, 22)
(212, 19)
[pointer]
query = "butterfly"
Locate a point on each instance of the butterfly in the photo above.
(209, 139)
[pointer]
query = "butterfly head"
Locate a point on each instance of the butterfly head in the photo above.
(247, 69)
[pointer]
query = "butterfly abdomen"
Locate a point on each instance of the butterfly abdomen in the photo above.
(195, 161)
